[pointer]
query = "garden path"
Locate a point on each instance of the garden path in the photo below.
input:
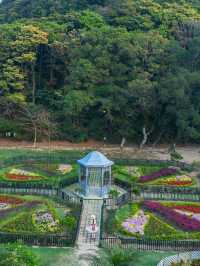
(87, 246)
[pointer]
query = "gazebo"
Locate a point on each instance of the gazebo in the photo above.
(95, 174)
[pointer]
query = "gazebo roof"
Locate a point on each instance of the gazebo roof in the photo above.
(95, 159)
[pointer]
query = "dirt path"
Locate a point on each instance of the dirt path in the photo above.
(189, 153)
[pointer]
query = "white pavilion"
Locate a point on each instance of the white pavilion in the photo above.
(95, 175)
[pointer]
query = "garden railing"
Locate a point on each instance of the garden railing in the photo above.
(175, 259)
(59, 240)
(146, 244)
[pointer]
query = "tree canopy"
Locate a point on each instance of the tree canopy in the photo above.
(97, 68)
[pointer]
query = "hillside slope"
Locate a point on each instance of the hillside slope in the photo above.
(100, 69)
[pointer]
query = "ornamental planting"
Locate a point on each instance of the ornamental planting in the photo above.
(22, 175)
(161, 173)
(171, 214)
(136, 223)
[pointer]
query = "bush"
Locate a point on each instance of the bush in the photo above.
(18, 255)
(114, 193)
(70, 222)
(175, 156)
(115, 257)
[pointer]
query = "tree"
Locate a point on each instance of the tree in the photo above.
(36, 120)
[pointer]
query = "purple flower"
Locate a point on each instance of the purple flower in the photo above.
(161, 173)
(182, 220)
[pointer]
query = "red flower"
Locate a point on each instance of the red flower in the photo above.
(194, 209)
(22, 177)
(179, 183)
(11, 200)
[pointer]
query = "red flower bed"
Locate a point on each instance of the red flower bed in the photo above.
(11, 200)
(179, 183)
(22, 177)
(194, 209)
(185, 222)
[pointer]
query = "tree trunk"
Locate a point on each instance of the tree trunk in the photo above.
(158, 139)
(51, 67)
(145, 137)
(35, 137)
(33, 83)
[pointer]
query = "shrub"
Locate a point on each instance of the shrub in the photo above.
(175, 156)
(70, 222)
(114, 193)
(18, 255)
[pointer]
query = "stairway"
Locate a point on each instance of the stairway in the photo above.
(87, 247)
(90, 207)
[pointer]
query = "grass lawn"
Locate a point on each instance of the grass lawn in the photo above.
(9, 153)
(150, 258)
(55, 256)
(65, 256)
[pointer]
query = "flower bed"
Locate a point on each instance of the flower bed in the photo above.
(182, 220)
(22, 175)
(161, 173)
(45, 222)
(4, 199)
(64, 168)
(161, 220)
(136, 223)
(180, 180)
(36, 215)
(194, 209)
(179, 183)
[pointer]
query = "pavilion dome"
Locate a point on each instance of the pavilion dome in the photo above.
(95, 159)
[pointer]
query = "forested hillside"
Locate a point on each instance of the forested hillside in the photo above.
(81, 69)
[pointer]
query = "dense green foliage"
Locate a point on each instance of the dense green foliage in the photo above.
(96, 68)
(17, 255)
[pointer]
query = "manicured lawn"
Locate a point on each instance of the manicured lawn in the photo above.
(149, 258)
(9, 153)
(65, 256)
(55, 256)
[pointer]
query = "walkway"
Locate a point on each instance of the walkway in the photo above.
(87, 247)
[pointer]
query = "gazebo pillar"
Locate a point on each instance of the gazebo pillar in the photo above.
(86, 180)
(102, 180)
(110, 176)
(79, 175)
